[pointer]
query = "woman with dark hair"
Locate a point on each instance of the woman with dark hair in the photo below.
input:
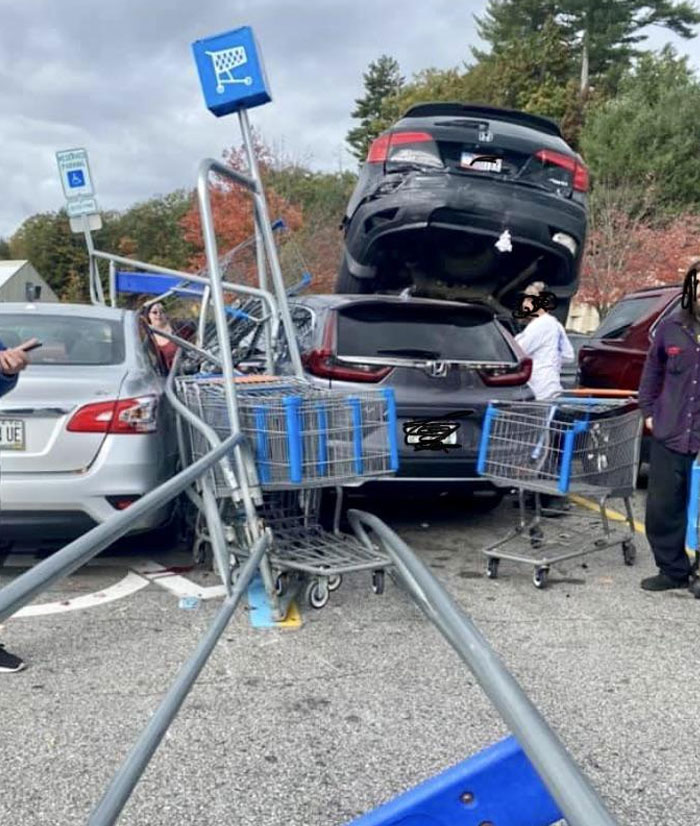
(669, 396)
(157, 318)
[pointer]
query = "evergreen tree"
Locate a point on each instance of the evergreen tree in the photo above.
(381, 80)
(4, 249)
(606, 33)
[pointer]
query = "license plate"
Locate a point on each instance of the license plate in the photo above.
(429, 433)
(12, 434)
(471, 161)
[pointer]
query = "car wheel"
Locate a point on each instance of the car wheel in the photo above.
(347, 284)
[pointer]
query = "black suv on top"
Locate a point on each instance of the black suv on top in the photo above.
(444, 185)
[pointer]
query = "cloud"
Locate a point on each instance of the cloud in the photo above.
(118, 78)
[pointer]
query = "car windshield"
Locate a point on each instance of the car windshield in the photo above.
(416, 331)
(623, 315)
(66, 339)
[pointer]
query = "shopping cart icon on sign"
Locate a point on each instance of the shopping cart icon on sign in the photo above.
(224, 62)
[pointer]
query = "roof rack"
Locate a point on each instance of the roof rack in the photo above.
(455, 109)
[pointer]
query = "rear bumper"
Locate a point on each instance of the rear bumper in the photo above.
(64, 505)
(465, 205)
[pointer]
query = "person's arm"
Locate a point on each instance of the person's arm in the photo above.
(530, 339)
(652, 381)
(11, 362)
(567, 349)
(7, 383)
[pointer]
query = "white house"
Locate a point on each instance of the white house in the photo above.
(19, 281)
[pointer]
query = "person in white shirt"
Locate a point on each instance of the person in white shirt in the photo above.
(545, 341)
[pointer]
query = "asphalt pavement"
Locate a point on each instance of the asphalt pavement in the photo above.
(318, 725)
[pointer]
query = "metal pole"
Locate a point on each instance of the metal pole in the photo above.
(579, 802)
(77, 553)
(91, 262)
(112, 284)
(217, 296)
(262, 278)
(124, 781)
(261, 263)
(187, 277)
(263, 222)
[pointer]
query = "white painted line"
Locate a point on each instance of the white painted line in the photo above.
(177, 584)
(130, 584)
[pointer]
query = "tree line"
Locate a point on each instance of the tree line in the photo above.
(632, 114)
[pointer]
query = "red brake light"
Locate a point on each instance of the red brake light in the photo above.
(507, 376)
(121, 416)
(323, 362)
(381, 147)
(579, 171)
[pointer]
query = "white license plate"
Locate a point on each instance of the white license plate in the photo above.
(12, 434)
(450, 439)
(471, 161)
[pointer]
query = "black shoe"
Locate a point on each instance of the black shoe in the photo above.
(9, 662)
(661, 582)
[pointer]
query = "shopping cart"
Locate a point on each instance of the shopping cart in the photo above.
(224, 62)
(302, 438)
(692, 539)
(571, 445)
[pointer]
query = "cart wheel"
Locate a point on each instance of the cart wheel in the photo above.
(695, 588)
(540, 577)
(378, 582)
(629, 552)
(280, 584)
(203, 556)
(334, 582)
(317, 593)
(492, 567)
(536, 536)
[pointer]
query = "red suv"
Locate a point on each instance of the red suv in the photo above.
(614, 355)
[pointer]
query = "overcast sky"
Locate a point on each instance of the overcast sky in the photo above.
(118, 78)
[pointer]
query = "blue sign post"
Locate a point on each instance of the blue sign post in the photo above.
(231, 72)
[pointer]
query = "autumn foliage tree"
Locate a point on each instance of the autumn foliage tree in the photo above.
(232, 208)
(627, 250)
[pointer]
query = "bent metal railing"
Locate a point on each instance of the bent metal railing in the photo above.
(573, 793)
(64, 562)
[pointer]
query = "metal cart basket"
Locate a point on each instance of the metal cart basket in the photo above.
(569, 445)
(302, 438)
(300, 434)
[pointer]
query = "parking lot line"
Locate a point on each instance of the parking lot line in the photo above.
(616, 516)
(130, 584)
(178, 585)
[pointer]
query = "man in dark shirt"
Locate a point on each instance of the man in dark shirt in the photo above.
(669, 396)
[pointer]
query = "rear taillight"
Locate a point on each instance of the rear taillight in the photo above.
(507, 376)
(122, 416)
(324, 363)
(578, 170)
(380, 149)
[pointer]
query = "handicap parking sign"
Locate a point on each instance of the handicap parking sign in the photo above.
(76, 178)
(231, 71)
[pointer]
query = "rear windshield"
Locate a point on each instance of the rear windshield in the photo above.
(623, 315)
(440, 333)
(65, 339)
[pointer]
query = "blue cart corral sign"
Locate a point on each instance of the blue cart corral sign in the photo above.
(231, 71)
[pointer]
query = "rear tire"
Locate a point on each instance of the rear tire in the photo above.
(347, 284)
